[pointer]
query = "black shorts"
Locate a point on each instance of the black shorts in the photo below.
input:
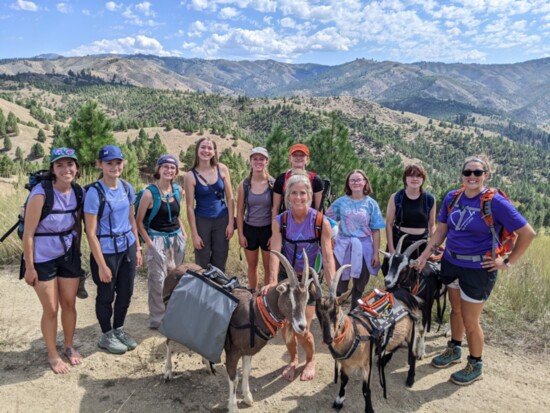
(475, 283)
(257, 237)
(282, 276)
(66, 266)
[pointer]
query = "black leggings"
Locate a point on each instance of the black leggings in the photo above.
(119, 290)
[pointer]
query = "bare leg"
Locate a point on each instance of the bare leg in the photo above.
(266, 256)
(471, 313)
(247, 366)
(457, 324)
(252, 261)
(48, 295)
(67, 288)
(292, 347)
(308, 344)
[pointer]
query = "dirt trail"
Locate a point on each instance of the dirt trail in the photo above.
(133, 382)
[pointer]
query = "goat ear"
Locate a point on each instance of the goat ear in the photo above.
(343, 298)
(385, 254)
(282, 288)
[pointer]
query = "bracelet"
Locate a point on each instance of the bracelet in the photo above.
(507, 263)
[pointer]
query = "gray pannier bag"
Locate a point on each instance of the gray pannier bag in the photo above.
(199, 311)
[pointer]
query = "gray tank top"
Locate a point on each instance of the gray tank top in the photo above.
(258, 210)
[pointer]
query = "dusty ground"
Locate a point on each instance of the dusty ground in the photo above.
(133, 382)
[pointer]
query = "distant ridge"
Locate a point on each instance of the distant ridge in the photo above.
(519, 91)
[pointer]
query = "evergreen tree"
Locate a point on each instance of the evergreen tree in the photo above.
(41, 137)
(19, 154)
(156, 150)
(37, 151)
(7, 144)
(236, 164)
(6, 165)
(2, 124)
(188, 159)
(131, 169)
(331, 154)
(11, 124)
(277, 145)
(89, 131)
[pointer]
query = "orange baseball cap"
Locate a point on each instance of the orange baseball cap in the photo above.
(299, 147)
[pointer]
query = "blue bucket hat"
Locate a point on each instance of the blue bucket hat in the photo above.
(59, 153)
(110, 152)
(171, 159)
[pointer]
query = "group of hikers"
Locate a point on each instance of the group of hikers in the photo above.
(282, 214)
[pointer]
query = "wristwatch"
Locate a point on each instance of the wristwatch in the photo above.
(507, 263)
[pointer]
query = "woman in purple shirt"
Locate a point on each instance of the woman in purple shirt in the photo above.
(52, 262)
(468, 267)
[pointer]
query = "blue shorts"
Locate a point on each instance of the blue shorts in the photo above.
(475, 283)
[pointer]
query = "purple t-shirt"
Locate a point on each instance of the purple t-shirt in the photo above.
(471, 235)
(48, 248)
(298, 232)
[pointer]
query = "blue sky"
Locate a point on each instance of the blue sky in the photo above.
(295, 31)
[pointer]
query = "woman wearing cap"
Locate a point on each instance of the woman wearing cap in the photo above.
(254, 202)
(358, 237)
(469, 265)
(210, 206)
(51, 249)
(299, 158)
(165, 235)
(112, 233)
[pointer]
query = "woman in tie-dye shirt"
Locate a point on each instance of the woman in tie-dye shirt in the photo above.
(358, 240)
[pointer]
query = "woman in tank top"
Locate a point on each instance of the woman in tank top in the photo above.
(210, 206)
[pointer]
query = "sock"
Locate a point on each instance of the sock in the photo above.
(456, 342)
(476, 359)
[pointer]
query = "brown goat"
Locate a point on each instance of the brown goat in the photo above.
(342, 332)
(287, 301)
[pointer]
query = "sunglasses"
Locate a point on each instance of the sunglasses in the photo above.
(477, 172)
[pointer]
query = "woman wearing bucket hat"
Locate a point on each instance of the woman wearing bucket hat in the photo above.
(51, 250)
(160, 226)
(298, 156)
(254, 203)
(112, 235)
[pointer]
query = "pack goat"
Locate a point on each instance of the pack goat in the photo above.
(349, 338)
(425, 285)
(287, 301)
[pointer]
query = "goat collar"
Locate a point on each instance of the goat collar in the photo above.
(272, 322)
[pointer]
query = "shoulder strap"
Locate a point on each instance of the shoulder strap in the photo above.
(318, 225)
(457, 194)
(398, 201)
(126, 186)
(48, 201)
(287, 175)
(155, 193)
(79, 193)
(101, 196)
(177, 194)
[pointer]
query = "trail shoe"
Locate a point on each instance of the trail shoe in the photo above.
(451, 355)
(472, 372)
(125, 338)
(111, 343)
(81, 292)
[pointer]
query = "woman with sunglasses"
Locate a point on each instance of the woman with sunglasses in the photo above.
(410, 211)
(468, 267)
(358, 238)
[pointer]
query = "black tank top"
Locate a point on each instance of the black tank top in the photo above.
(413, 212)
(161, 222)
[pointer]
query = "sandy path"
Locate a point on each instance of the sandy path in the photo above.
(133, 382)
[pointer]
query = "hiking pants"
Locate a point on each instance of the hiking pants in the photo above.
(216, 247)
(119, 290)
(155, 257)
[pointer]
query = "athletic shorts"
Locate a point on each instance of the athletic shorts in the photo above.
(257, 237)
(66, 266)
(474, 283)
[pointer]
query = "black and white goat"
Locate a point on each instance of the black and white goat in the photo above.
(287, 301)
(425, 285)
(349, 338)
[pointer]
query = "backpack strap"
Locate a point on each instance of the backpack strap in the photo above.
(398, 201)
(246, 190)
(47, 185)
(487, 215)
(155, 193)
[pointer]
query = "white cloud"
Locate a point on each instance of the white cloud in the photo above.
(112, 6)
(126, 45)
(24, 5)
(86, 12)
(63, 8)
(229, 13)
(196, 29)
(145, 8)
(134, 19)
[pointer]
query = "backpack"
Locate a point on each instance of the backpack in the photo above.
(505, 239)
(246, 189)
(43, 177)
(428, 198)
(157, 199)
(318, 228)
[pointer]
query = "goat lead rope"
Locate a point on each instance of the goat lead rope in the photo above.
(340, 338)
(272, 324)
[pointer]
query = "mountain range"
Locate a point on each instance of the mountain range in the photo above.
(519, 91)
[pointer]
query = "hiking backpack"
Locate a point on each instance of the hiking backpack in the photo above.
(44, 178)
(318, 228)
(505, 239)
(157, 199)
(326, 194)
(246, 189)
(428, 202)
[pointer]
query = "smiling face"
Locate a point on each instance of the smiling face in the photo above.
(474, 184)
(111, 169)
(258, 162)
(167, 171)
(357, 183)
(65, 170)
(298, 160)
(414, 181)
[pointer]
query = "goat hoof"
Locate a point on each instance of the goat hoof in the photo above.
(168, 376)
(337, 406)
(248, 401)
(409, 383)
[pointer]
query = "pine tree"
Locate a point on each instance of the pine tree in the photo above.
(37, 151)
(277, 145)
(331, 154)
(156, 150)
(11, 124)
(19, 154)
(7, 144)
(41, 137)
(2, 124)
(188, 158)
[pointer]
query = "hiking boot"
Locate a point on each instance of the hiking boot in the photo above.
(81, 292)
(125, 338)
(111, 343)
(451, 355)
(472, 372)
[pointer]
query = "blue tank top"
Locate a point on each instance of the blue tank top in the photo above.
(209, 199)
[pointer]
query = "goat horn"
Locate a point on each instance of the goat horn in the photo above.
(336, 280)
(413, 247)
(305, 273)
(315, 277)
(291, 274)
(400, 244)
(385, 253)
